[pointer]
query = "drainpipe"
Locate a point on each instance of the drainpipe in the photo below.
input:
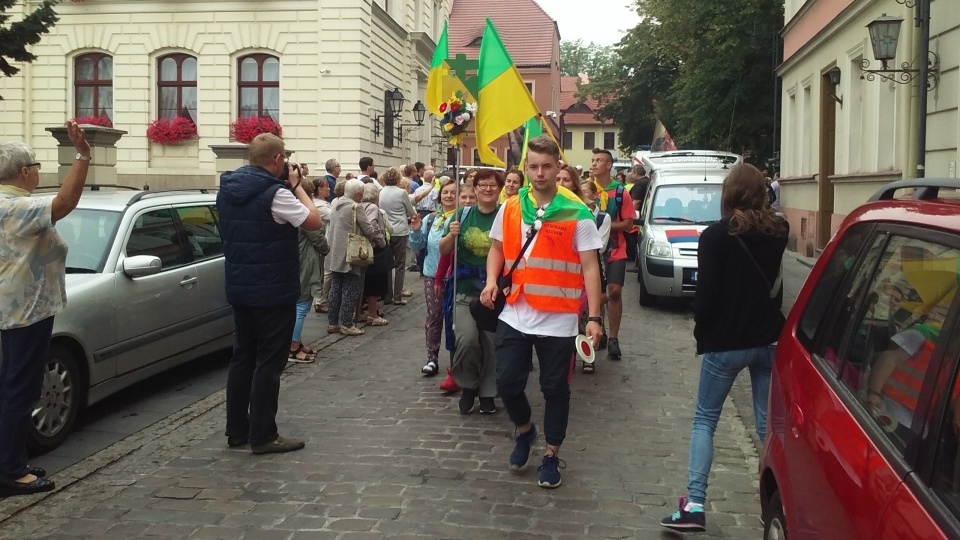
(923, 15)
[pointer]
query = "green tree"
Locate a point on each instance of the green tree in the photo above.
(16, 37)
(706, 69)
(577, 57)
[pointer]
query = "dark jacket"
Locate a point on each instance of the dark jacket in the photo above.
(262, 256)
(733, 309)
(332, 182)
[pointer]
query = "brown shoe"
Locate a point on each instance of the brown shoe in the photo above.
(333, 329)
(277, 446)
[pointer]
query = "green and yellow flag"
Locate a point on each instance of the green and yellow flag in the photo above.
(503, 102)
(533, 129)
(442, 82)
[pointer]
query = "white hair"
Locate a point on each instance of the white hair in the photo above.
(370, 193)
(352, 188)
(13, 157)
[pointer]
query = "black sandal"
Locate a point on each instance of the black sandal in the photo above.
(588, 368)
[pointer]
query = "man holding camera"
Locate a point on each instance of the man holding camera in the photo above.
(261, 206)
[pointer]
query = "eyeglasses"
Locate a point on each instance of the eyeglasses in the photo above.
(37, 165)
(537, 223)
(488, 187)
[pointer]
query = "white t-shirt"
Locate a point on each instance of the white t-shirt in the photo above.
(523, 317)
(287, 208)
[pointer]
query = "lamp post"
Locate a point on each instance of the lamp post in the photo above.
(419, 113)
(393, 100)
(884, 35)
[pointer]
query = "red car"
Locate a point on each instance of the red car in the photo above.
(863, 437)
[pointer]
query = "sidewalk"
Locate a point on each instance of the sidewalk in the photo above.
(389, 456)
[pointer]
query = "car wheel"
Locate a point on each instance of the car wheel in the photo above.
(775, 524)
(646, 299)
(56, 410)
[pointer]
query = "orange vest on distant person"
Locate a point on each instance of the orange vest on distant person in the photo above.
(550, 278)
(905, 382)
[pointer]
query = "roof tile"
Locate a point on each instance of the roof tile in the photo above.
(528, 32)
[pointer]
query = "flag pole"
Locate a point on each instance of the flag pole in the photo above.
(456, 243)
(552, 136)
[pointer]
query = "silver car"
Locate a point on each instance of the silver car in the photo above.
(145, 292)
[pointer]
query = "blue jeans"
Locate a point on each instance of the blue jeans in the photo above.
(302, 309)
(717, 374)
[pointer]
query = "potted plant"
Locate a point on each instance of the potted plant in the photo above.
(102, 120)
(245, 128)
(168, 131)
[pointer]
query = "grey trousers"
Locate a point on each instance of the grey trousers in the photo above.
(322, 300)
(398, 244)
(474, 360)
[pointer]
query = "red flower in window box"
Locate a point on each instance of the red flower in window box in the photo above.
(102, 120)
(245, 128)
(171, 130)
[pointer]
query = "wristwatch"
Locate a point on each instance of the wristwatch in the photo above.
(598, 320)
(81, 157)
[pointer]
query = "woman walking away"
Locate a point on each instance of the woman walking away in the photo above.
(429, 237)
(737, 321)
(474, 367)
(313, 246)
(375, 278)
(32, 292)
(345, 282)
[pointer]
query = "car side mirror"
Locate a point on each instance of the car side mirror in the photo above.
(141, 265)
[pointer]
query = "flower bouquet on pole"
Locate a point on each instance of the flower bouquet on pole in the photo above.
(457, 115)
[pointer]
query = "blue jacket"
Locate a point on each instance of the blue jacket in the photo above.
(262, 256)
(332, 182)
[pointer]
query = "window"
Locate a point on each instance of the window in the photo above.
(946, 467)
(259, 86)
(177, 87)
(841, 263)
(476, 157)
(609, 140)
(89, 235)
(567, 140)
(589, 140)
(201, 232)
(93, 85)
(156, 234)
(894, 331)
(529, 86)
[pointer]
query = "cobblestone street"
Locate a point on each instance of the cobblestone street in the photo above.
(389, 456)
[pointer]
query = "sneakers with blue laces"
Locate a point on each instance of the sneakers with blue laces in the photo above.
(521, 452)
(550, 472)
(690, 517)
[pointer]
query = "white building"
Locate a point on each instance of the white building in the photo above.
(835, 155)
(319, 67)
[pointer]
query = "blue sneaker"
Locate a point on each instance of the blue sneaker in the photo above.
(689, 517)
(521, 452)
(550, 472)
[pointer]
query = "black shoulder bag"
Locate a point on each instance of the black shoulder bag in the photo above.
(487, 318)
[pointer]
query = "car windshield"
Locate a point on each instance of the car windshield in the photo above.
(89, 234)
(687, 203)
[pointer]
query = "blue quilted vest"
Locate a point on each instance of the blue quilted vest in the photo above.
(262, 256)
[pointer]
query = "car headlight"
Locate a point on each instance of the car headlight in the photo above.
(659, 249)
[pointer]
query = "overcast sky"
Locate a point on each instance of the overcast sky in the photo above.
(599, 21)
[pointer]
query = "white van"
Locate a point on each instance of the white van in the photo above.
(682, 200)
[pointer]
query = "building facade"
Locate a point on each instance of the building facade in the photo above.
(320, 68)
(841, 142)
(532, 39)
(582, 132)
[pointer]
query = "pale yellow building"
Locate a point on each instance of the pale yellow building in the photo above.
(321, 68)
(841, 142)
(582, 132)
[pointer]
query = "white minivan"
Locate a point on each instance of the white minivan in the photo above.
(682, 200)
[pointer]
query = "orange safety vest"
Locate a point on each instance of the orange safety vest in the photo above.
(905, 382)
(550, 278)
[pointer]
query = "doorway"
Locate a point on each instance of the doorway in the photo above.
(828, 148)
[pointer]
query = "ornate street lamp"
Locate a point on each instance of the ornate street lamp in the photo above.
(884, 35)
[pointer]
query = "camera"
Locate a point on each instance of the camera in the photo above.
(285, 173)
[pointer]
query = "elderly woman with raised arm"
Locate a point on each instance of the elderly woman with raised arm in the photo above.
(32, 291)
